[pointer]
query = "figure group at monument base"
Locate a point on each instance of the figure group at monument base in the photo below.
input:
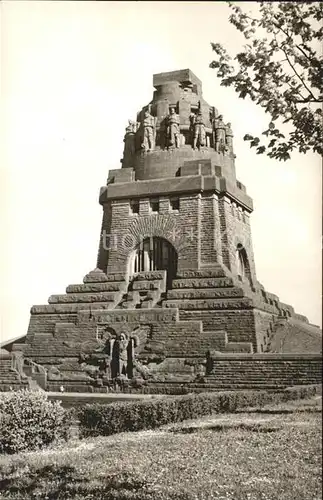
(114, 357)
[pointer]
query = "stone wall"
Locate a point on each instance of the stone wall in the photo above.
(234, 371)
(206, 230)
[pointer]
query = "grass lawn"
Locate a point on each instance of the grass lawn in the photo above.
(275, 454)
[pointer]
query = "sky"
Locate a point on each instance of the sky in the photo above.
(72, 74)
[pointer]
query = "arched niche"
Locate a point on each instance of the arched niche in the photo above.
(242, 262)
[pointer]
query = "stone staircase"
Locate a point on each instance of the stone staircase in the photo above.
(144, 290)
(265, 371)
(97, 288)
(202, 293)
(9, 377)
(205, 289)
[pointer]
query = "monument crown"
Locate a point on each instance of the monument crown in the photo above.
(185, 77)
(177, 124)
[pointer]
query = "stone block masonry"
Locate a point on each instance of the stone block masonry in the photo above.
(176, 275)
(275, 371)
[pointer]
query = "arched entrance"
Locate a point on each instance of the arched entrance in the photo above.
(154, 254)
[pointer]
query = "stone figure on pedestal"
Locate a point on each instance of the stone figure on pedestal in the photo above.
(129, 141)
(219, 134)
(173, 131)
(229, 137)
(199, 131)
(149, 130)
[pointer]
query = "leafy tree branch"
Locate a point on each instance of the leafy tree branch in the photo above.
(289, 89)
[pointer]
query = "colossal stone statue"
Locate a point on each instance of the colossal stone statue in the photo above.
(199, 131)
(129, 139)
(219, 134)
(229, 137)
(149, 127)
(122, 344)
(173, 131)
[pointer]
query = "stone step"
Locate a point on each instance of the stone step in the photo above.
(70, 308)
(264, 374)
(202, 282)
(9, 376)
(84, 298)
(150, 276)
(263, 381)
(113, 286)
(146, 285)
(232, 387)
(257, 377)
(205, 293)
(8, 370)
(216, 272)
(266, 369)
(16, 386)
(98, 276)
(264, 377)
(221, 303)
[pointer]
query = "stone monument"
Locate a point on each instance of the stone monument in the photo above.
(175, 277)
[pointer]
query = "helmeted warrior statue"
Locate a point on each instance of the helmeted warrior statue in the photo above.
(149, 126)
(199, 131)
(129, 140)
(173, 131)
(229, 137)
(219, 134)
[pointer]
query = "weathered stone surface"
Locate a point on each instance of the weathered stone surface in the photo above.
(98, 276)
(175, 270)
(114, 286)
(150, 276)
(202, 283)
(249, 370)
(146, 285)
(84, 297)
(209, 304)
(196, 294)
(94, 276)
(135, 316)
(199, 273)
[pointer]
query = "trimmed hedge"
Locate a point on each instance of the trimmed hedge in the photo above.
(29, 421)
(98, 419)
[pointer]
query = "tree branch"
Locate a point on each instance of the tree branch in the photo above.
(289, 38)
(298, 76)
(307, 100)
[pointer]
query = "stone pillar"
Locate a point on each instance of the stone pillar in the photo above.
(217, 229)
(184, 106)
(226, 225)
(189, 255)
(162, 107)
